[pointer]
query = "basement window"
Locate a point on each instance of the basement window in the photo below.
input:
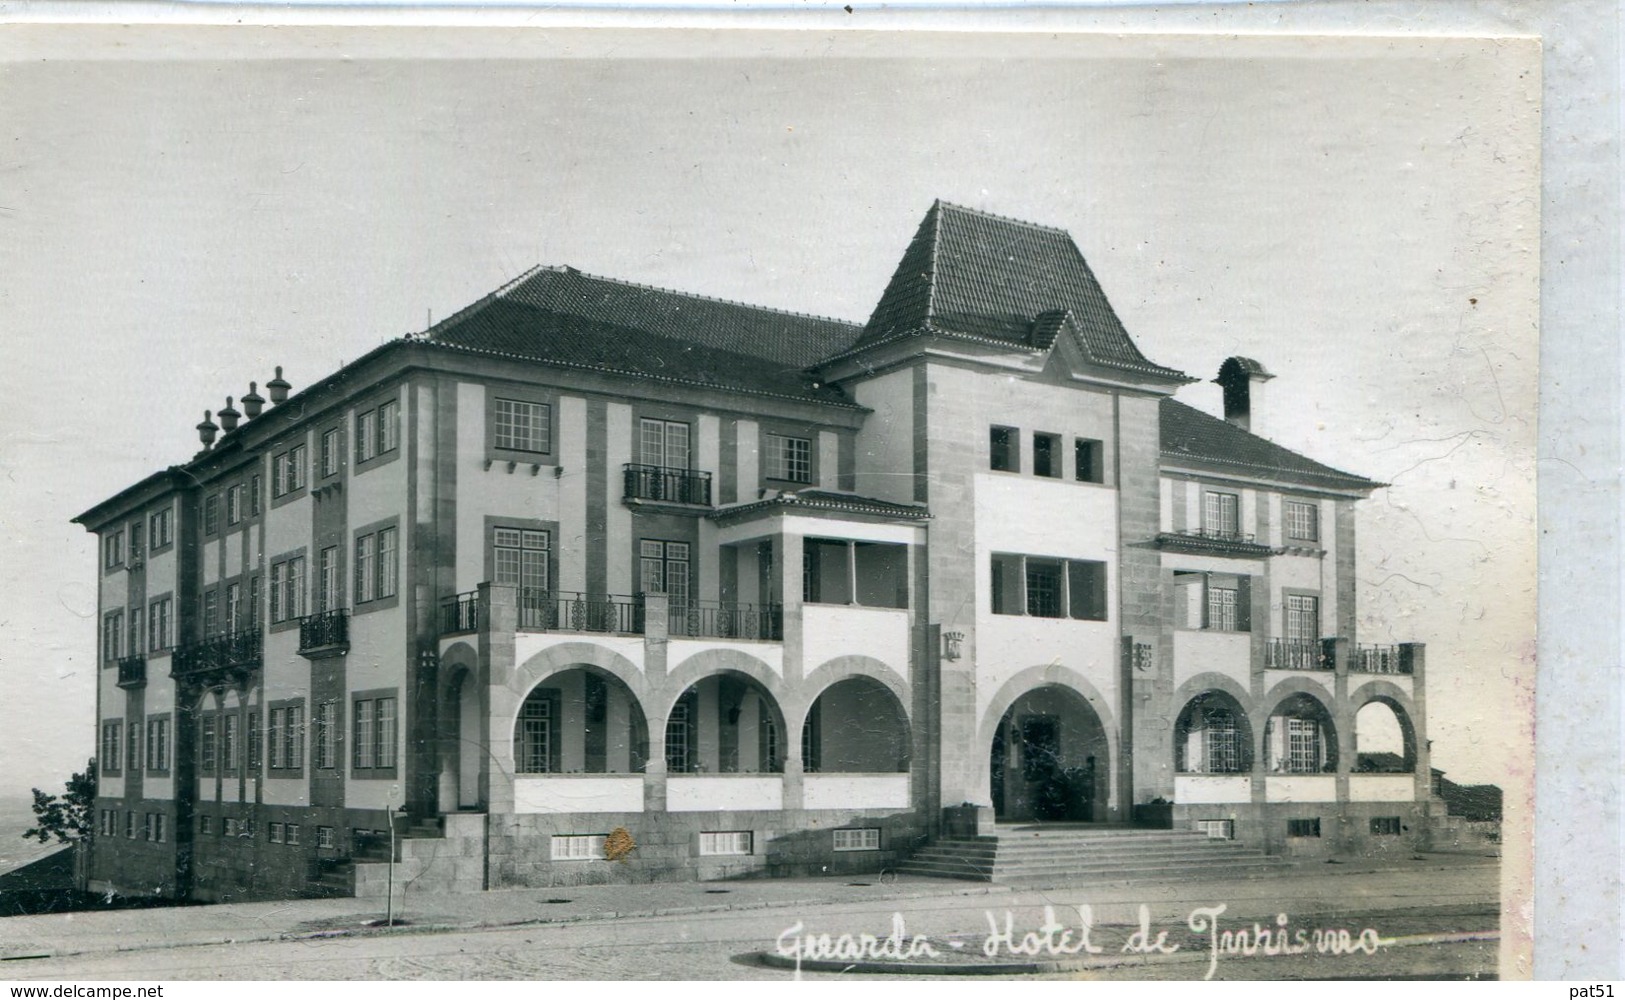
(732, 842)
(579, 847)
(1217, 829)
(862, 839)
(1385, 826)
(1303, 827)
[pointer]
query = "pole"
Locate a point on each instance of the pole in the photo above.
(390, 904)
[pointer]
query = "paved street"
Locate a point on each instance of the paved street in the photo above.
(1397, 903)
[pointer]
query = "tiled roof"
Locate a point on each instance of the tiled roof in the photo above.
(507, 326)
(828, 500)
(970, 274)
(785, 338)
(1189, 435)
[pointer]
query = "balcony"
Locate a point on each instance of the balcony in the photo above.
(219, 657)
(461, 614)
(1212, 540)
(659, 484)
(1379, 660)
(132, 671)
(727, 620)
(324, 634)
(1298, 654)
(550, 611)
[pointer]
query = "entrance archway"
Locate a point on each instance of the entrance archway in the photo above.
(1049, 759)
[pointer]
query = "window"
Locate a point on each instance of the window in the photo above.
(133, 761)
(274, 833)
(863, 839)
(330, 452)
(324, 837)
(327, 568)
(536, 735)
(158, 529)
(1221, 742)
(1221, 514)
(389, 433)
(112, 741)
(1217, 829)
(155, 827)
(254, 740)
(1049, 588)
(664, 569)
(129, 824)
(158, 744)
(288, 589)
(366, 436)
(520, 558)
(112, 632)
(205, 824)
(732, 842)
(207, 747)
(387, 565)
(288, 471)
(663, 443)
(113, 546)
(366, 562)
(1089, 458)
(1302, 618)
(1047, 455)
(287, 738)
(1004, 449)
(254, 601)
(376, 746)
(789, 458)
(1303, 827)
(1385, 826)
(1221, 609)
(1217, 601)
(1303, 746)
(234, 504)
(578, 846)
(1302, 521)
(211, 514)
(680, 738)
(229, 827)
(135, 634)
(325, 744)
(158, 624)
(522, 426)
(1043, 588)
(253, 496)
(230, 747)
(291, 832)
(135, 543)
(211, 612)
(234, 606)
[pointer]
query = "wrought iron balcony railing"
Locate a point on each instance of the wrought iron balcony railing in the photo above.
(567, 611)
(1378, 660)
(1296, 654)
(132, 671)
(722, 620)
(235, 650)
(324, 630)
(667, 485)
(460, 614)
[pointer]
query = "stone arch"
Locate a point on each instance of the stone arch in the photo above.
(1394, 698)
(841, 668)
(1213, 681)
(1029, 681)
(568, 655)
(842, 729)
(1300, 699)
(1201, 749)
(713, 661)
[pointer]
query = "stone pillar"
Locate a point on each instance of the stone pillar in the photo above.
(1413, 660)
(1339, 650)
(1148, 700)
(656, 632)
(499, 700)
(794, 779)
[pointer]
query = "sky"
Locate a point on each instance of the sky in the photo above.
(1361, 216)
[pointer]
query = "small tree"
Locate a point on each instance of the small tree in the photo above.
(68, 818)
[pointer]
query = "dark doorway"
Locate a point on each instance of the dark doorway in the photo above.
(1043, 759)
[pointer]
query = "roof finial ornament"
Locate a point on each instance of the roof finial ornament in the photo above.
(207, 429)
(229, 417)
(278, 387)
(253, 402)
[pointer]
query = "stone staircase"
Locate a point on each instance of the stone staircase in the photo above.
(442, 854)
(1057, 854)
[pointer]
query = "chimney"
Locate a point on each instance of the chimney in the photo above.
(253, 403)
(207, 429)
(278, 387)
(1243, 382)
(229, 417)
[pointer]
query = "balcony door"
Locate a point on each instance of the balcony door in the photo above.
(1302, 618)
(664, 443)
(665, 570)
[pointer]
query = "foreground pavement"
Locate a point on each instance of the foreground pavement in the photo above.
(695, 930)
